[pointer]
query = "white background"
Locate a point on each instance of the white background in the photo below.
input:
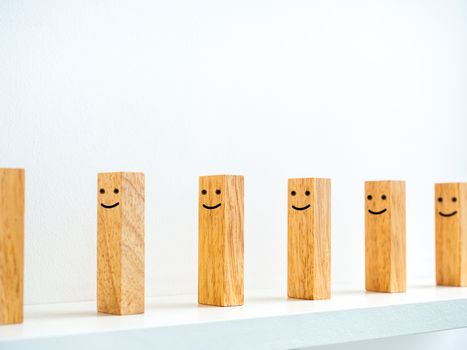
(351, 90)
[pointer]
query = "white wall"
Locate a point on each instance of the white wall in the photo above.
(351, 90)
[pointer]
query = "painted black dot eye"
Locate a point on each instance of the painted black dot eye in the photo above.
(102, 191)
(454, 199)
(116, 190)
(369, 197)
(307, 193)
(440, 199)
(204, 192)
(383, 197)
(293, 193)
(218, 191)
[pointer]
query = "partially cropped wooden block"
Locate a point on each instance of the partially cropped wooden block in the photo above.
(385, 236)
(451, 234)
(120, 243)
(11, 245)
(220, 245)
(309, 238)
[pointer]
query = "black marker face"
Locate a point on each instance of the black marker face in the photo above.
(216, 194)
(104, 195)
(304, 194)
(379, 202)
(447, 205)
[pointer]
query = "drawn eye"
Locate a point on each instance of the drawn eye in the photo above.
(116, 190)
(383, 197)
(102, 191)
(293, 193)
(440, 199)
(204, 192)
(218, 191)
(454, 199)
(307, 193)
(369, 197)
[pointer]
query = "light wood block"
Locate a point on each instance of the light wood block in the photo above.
(451, 234)
(120, 243)
(220, 245)
(11, 245)
(385, 264)
(309, 238)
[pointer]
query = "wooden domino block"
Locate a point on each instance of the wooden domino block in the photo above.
(11, 245)
(220, 245)
(120, 243)
(309, 239)
(385, 236)
(451, 234)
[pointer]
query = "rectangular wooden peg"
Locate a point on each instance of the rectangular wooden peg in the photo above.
(120, 243)
(451, 234)
(220, 240)
(11, 245)
(385, 261)
(309, 238)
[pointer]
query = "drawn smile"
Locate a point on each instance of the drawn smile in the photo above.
(211, 207)
(109, 206)
(377, 212)
(448, 215)
(301, 208)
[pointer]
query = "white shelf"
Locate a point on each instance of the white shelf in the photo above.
(267, 320)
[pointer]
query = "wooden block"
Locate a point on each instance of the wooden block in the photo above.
(220, 245)
(451, 234)
(309, 238)
(385, 236)
(11, 245)
(120, 243)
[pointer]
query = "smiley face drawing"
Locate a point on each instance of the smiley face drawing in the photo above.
(218, 192)
(110, 198)
(446, 201)
(307, 193)
(452, 213)
(103, 191)
(301, 196)
(383, 198)
(109, 188)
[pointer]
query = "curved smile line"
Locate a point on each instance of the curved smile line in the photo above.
(110, 206)
(302, 208)
(211, 207)
(377, 212)
(448, 215)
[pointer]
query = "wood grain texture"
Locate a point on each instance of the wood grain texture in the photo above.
(220, 240)
(385, 261)
(120, 243)
(309, 238)
(11, 245)
(451, 234)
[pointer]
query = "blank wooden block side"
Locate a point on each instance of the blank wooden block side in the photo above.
(309, 238)
(322, 239)
(220, 241)
(385, 236)
(234, 241)
(451, 234)
(120, 258)
(11, 245)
